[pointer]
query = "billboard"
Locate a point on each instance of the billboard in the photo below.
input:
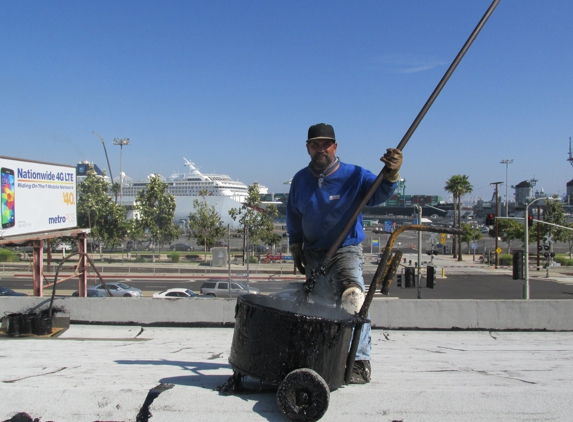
(36, 197)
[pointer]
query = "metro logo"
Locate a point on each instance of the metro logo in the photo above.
(57, 220)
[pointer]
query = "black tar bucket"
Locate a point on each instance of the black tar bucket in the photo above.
(42, 325)
(270, 340)
(13, 325)
(27, 323)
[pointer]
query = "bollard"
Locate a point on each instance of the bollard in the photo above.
(444, 273)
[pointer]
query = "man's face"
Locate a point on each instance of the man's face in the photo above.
(322, 153)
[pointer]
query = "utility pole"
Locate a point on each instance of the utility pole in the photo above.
(507, 163)
(496, 226)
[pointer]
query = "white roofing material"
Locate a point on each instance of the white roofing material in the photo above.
(105, 372)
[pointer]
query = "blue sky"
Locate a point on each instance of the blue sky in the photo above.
(234, 86)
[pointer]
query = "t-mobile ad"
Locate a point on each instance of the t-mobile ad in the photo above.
(36, 197)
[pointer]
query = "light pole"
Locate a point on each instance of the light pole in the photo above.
(121, 143)
(507, 163)
(419, 209)
(526, 246)
(496, 215)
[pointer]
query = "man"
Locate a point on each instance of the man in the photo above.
(323, 197)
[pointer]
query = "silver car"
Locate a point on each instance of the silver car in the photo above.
(119, 289)
(220, 288)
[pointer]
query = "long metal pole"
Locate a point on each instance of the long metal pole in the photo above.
(526, 252)
(496, 225)
(507, 163)
(120, 174)
(419, 253)
(506, 189)
(351, 221)
(538, 235)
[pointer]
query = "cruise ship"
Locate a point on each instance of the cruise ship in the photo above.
(191, 183)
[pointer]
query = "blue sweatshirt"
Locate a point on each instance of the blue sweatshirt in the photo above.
(316, 215)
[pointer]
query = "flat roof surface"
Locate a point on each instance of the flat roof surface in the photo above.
(104, 373)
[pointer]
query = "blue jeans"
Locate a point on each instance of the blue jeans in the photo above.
(344, 270)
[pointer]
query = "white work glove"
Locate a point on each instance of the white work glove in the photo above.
(298, 256)
(393, 161)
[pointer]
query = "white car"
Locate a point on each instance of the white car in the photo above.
(177, 292)
(61, 246)
(119, 289)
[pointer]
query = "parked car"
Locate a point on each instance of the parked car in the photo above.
(178, 292)
(220, 288)
(91, 292)
(5, 291)
(61, 246)
(260, 248)
(119, 290)
(220, 243)
(181, 247)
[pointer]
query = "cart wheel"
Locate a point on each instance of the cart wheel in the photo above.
(303, 395)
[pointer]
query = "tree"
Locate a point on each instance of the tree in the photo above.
(156, 207)
(97, 211)
(135, 232)
(255, 221)
(569, 237)
(554, 213)
(205, 224)
(510, 230)
(458, 185)
(470, 234)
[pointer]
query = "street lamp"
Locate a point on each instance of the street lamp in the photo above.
(526, 246)
(496, 226)
(121, 143)
(507, 163)
(419, 209)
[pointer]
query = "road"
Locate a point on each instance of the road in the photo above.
(454, 286)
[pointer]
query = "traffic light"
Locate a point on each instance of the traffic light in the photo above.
(410, 277)
(530, 220)
(430, 277)
(518, 265)
(490, 220)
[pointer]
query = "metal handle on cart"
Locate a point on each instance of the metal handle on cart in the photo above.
(378, 277)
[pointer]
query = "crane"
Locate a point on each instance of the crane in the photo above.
(106, 157)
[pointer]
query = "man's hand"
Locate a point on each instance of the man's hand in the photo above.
(298, 257)
(393, 161)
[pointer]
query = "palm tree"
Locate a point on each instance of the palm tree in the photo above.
(458, 185)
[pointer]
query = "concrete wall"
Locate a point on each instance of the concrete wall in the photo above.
(551, 315)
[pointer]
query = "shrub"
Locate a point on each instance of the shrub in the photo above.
(253, 260)
(174, 256)
(6, 255)
(563, 260)
(506, 259)
(140, 259)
